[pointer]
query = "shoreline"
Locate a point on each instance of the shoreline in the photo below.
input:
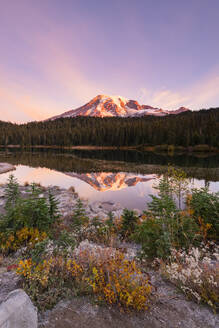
(171, 149)
(67, 199)
(85, 165)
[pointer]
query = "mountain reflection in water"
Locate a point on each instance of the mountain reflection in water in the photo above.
(117, 177)
(127, 189)
(103, 181)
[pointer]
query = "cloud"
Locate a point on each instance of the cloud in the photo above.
(165, 98)
(202, 94)
(19, 103)
(205, 92)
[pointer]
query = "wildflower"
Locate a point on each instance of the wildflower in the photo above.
(194, 273)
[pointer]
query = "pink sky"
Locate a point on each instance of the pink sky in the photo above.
(57, 55)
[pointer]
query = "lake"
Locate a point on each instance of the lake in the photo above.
(124, 177)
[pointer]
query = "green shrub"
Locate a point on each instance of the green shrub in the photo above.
(12, 193)
(31, 212)
(158, 237)
(39, 250)
(62, 245)
(79, 217)
(178, 185)
(206, 206)
(148, 235)
(129, 221)
(166, 226)
(66, 240)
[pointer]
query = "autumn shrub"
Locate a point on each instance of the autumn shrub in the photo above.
(119, 281)
(89, 254)
(114, 276)
(196, 273)
(25, 237)
(50, 280)
(105, 273)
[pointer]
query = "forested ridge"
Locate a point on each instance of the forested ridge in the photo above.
(186, 129)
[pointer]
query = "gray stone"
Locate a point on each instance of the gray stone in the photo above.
(5, 167)
(17, 311)
(118, 213)
(169, 310)
(9, 281)
(172, 312)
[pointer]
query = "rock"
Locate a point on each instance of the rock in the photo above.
(170, 309)
(101, 215)
(17, 311)
(2, 270)
(5, 167)
(80, 312)
(118, 213)
(67, 201)
(110, 207)
(95, 206)
(9, 281)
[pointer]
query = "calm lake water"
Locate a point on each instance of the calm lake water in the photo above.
(78, 169)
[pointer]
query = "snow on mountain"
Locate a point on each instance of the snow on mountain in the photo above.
(109, 106)
(178, 111)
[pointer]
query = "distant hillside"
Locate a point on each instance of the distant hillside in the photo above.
(185, 129)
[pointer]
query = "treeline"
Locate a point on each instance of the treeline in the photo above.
(186, 129)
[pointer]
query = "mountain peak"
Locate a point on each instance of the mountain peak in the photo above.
(179, 110)
(110, 106)
(114, 98)
(184, 109)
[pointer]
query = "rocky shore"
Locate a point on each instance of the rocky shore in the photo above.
(67, 199)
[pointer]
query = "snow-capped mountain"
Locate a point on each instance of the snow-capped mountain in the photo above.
(109, 106)
(105, 181)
